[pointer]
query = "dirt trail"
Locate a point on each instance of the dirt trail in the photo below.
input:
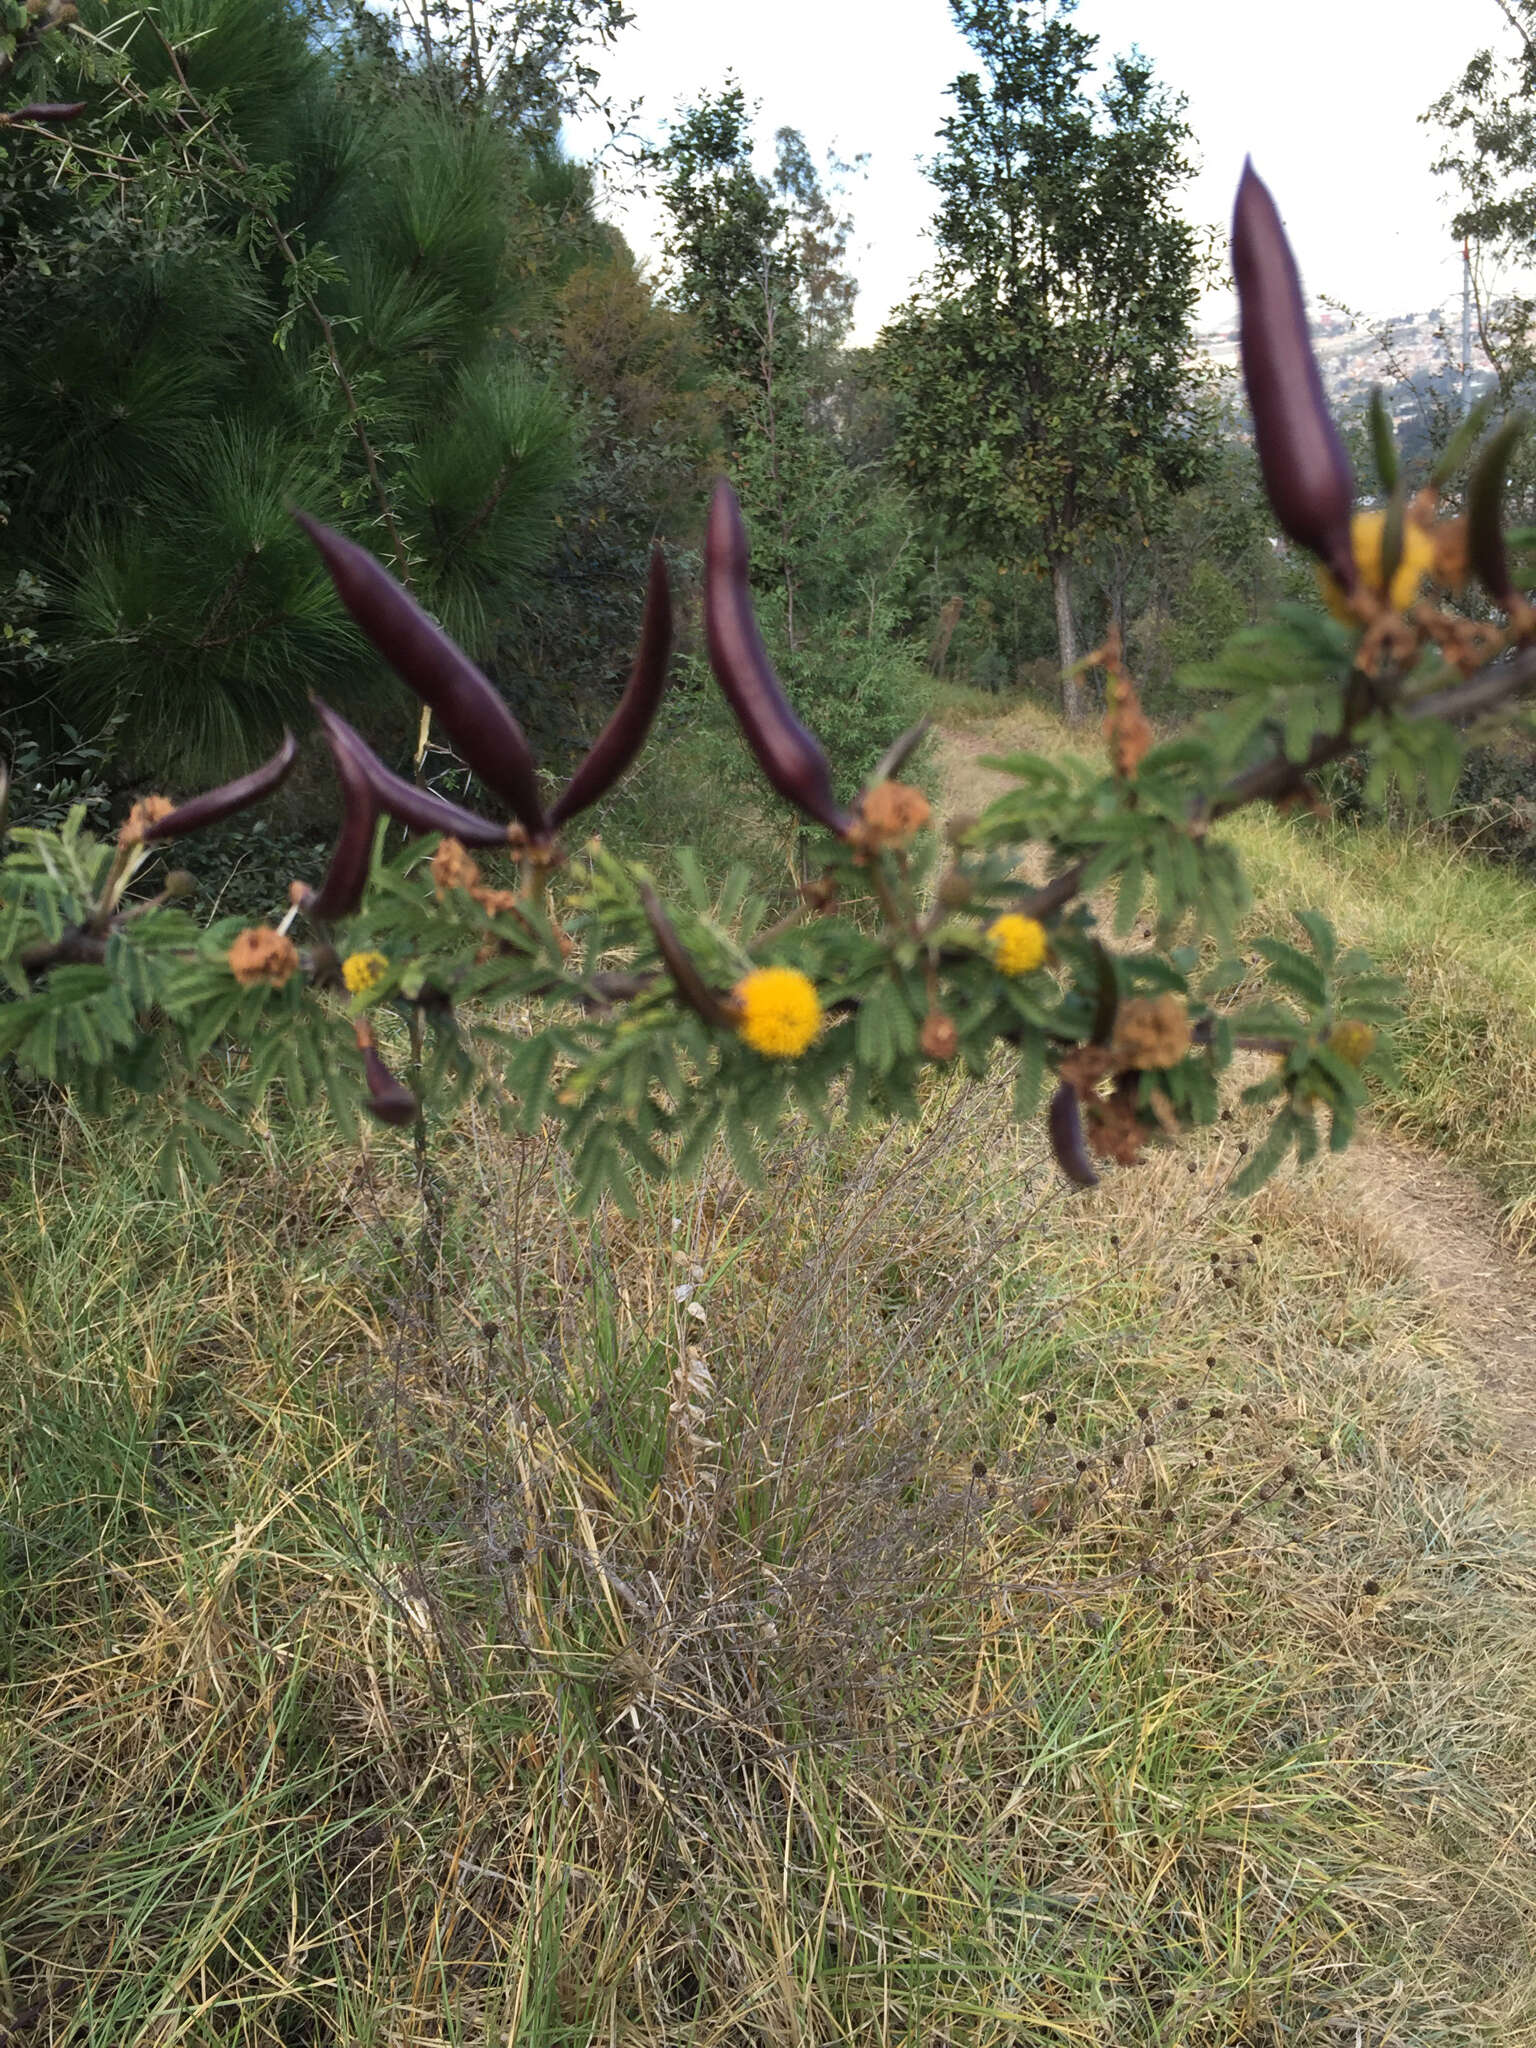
(1435, 1218)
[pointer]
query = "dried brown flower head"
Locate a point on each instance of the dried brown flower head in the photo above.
(1086, 1066)
(262, 954)
(1114, 1132)
(495, 902)
(1127, 730)
(148, 811)
(453, 868)
(939, 1039)
(1150, 1031)
(892, 813)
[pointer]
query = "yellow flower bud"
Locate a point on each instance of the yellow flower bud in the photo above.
(779, 1011)
(1018, 943)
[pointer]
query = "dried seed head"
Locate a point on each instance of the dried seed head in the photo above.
(1150, 1031)
(147, 812)
(1371, 1588)
(453, 868)
(891, 814)
(261, 954)
(939, 1038)
(978, 1468)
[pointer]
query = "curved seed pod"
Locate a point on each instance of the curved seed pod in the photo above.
(1485, 514)
(789, 755)
(899, 752)
(419, 810)
(463, 700)
(347, 876)
(686, 978)
(229, 797)
(1065, 1121)
(47, 110)
(621, 739)
(1306, 471)
(388, 1099)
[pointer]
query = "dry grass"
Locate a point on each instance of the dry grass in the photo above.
(765, 1624)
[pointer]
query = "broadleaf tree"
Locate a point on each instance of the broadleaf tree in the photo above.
(1042, 370)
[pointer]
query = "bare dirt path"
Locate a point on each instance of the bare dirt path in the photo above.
(1434, 1217)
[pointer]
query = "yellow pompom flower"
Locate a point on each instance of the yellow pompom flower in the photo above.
(1367, 532)
(778, 1011)
(363, 971)
(1018, 943)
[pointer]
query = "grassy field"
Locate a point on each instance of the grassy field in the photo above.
(914, 1606)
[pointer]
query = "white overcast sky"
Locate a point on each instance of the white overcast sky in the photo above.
(1325, 94)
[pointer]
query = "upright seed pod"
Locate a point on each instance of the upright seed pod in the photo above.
(216, 804)
(347, 876)
(1485, 514)
(419, 810)
(621, 739)
(788, 754)
(1306, 470)
(464, 701)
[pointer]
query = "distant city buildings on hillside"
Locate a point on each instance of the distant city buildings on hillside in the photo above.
(1414, 357)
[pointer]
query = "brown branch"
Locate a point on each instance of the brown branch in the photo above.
(1499, 683)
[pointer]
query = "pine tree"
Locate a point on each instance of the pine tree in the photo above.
(282, 274)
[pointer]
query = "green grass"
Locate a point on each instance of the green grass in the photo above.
(764, 1674)
(1462, 935)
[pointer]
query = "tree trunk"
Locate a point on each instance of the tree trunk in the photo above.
(1066, 642)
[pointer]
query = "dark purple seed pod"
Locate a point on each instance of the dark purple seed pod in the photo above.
(228, 798)
(686, 978)
(419, 810)
(621, 739)
(48, 110)
(388, 1099)
(1065, 1121)
(347, 876)
(1485, 514)
(464, 702)
(789, 755)
(1306, 471)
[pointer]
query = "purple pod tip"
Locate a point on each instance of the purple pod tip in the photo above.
(621, 739)
(214, 805)
(463, 700)
(388, 1099)
(788, 753)
(1307, 473)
